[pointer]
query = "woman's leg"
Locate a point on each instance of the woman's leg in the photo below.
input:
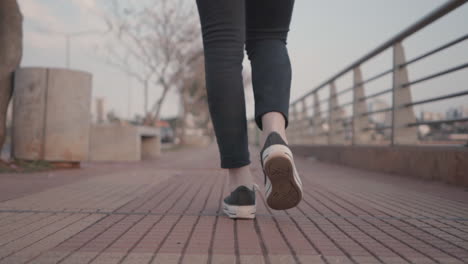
(223, 29)
(267, 29)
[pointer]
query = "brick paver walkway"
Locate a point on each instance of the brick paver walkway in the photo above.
(168, 211)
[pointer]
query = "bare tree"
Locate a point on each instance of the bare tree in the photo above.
(194, 100)
(154, 42)
(11, 39)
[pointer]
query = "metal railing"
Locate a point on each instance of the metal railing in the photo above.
(332, 126)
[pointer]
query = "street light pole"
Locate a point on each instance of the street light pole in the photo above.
(129, 97)
(68, 37)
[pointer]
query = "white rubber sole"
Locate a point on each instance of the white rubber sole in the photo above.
(283, 184)
(242, 211)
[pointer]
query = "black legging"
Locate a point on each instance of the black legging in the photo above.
(224, 27)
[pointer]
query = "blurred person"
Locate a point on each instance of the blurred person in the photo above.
(261, 26)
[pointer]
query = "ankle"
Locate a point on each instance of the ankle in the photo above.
(232, 185)
(267, 132)
(240, 176)
(273, 121)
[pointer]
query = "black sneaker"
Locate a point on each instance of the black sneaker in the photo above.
(240, 203)
(283, 186)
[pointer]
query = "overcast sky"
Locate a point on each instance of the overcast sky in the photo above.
(325, 37)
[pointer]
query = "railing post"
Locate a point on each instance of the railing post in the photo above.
(295, 112)
(359, 106)
(300, 123)
(335, 134)
(304, 109)
(317, 132)
(401, 116)
(294, 124)
(305, 131)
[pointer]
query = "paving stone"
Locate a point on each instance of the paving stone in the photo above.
(109, 258)
(253, 259)
(223, 259)
(79, 258)
(166, 258)
(137, 258)
(311, 259)
(338, 260)
(281, 259)
(195, 258)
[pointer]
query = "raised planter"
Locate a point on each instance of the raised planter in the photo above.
(51, 114)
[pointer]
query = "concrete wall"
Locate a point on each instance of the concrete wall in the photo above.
(447, 164)
(51, 114)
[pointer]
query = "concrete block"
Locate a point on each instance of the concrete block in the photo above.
(51, 114)
(150, 142)
(109, 142)
(150, 147)
(114, 143)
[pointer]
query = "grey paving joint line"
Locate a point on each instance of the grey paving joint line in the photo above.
(221, 214)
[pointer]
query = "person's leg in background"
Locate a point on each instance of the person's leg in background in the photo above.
(223, 30)
(267, 24)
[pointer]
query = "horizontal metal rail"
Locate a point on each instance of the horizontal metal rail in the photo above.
(438, 74)
(434, 51)
(438, 98)
(376, 111)
(345, 91)
(342, 106)
(375, 94)
(418, 25)
(435, 122)
(377, 128)
(324, 100)
(376, 77)
(345, 120)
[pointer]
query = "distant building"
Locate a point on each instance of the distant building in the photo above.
(456, 112)
(431, 116)
(465, 110)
